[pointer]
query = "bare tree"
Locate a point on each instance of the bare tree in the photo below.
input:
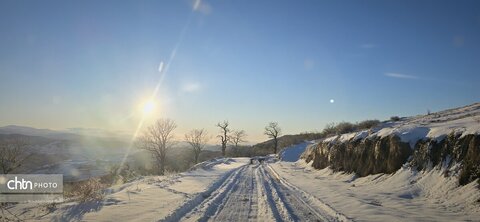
(224, 138)
(237, 137)
(158, 139)
(197, 139)
(273, 131)
(12, 154)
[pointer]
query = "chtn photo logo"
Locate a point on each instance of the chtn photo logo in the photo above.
(31, 187)
(17, 184)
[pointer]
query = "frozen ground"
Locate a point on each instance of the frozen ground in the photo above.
(232, 189)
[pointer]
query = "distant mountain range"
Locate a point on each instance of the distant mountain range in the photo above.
(30, 131)
(68, 134)
(76, 134)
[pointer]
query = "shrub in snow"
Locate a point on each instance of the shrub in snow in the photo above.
(121, 174)
(394, 118)
(367, 124)
(345, 127)
(90, 190)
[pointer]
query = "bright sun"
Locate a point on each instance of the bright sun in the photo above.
(148, 107)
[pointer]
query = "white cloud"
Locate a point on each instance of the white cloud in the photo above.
(202, 7)
(401, 76)
(191, 87)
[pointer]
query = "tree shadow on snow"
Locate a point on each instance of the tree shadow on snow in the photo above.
(77, 211)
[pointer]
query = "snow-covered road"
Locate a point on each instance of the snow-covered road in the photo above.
(254, 192)
(232, 189)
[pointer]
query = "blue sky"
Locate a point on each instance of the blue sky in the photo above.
(92, 64)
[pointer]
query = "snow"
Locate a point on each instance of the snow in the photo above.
(347, 137)
(331, 139)
(406, 195)
(232, 189)
(436, 126)
(407, 134)
(360, 135)
(293, 153)
(147, 199)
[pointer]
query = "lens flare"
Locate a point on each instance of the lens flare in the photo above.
(148, 107)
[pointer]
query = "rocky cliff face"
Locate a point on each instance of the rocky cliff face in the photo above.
(370, 156)
(452, 150)
(419, 142)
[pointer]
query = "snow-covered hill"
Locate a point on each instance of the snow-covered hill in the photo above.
(459, 121)
(450, 139)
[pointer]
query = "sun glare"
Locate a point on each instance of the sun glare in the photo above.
(148, 107)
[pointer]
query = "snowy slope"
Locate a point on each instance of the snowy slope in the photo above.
(148, 199)
(460, 121)
(406, 195)
(293, 153)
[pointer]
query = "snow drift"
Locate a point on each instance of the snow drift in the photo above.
(293, 153)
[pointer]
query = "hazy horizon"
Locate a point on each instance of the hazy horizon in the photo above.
(302, 64)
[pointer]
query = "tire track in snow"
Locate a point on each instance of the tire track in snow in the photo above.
(254, 193)
(213, 205)
(192, 206)
(267, 210)
(321, 209)
(242, 201)
(294, 208)
(274, 201)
